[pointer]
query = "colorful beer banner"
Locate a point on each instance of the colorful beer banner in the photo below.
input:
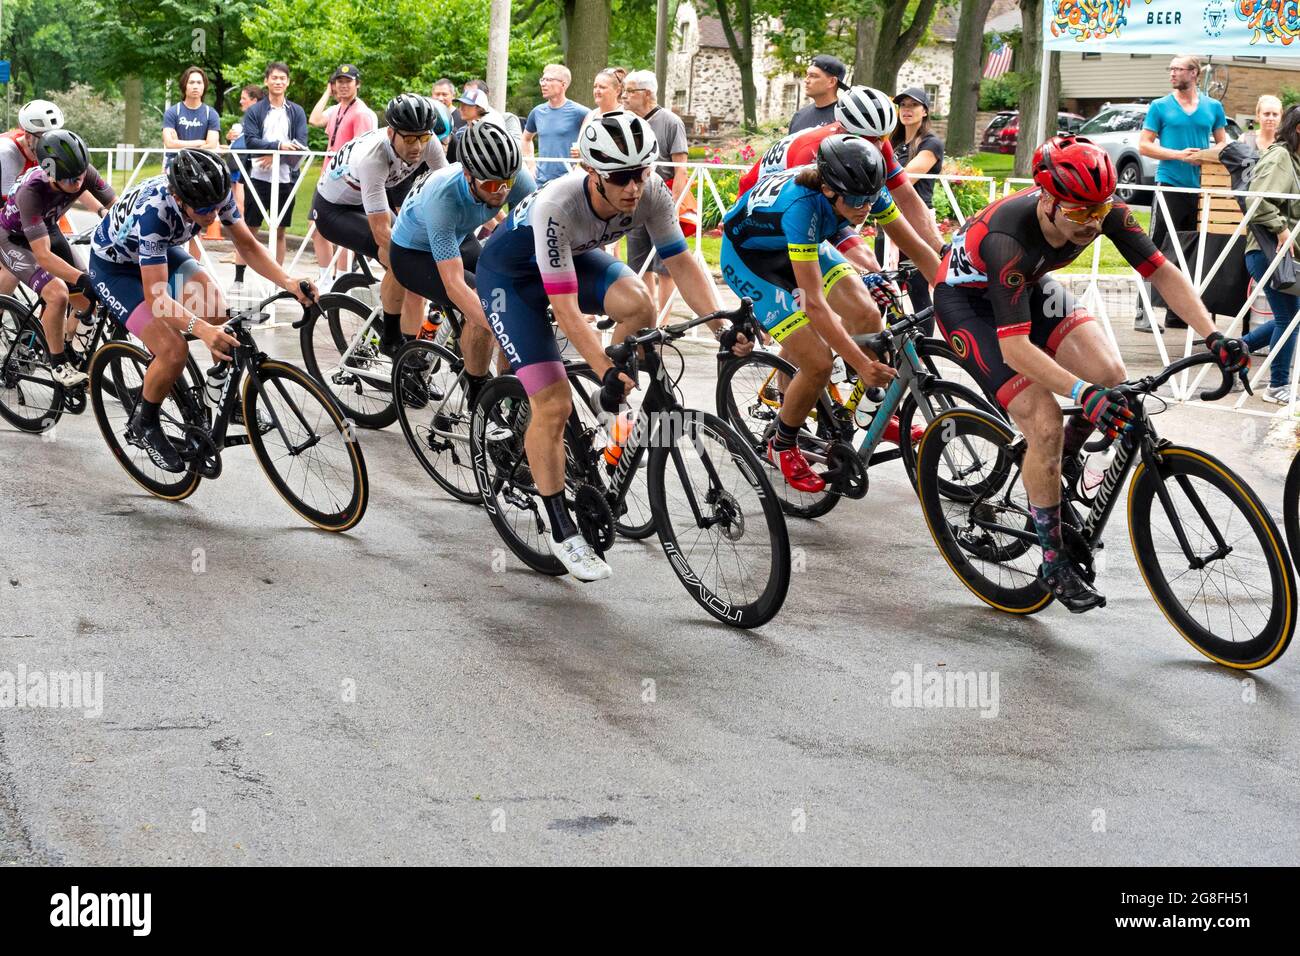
(1204, 27)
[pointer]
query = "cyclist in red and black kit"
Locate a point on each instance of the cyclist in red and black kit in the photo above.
(1021, 334)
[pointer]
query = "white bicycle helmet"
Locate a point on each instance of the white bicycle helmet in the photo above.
(865, 111)
(618, 140)
(40, 116)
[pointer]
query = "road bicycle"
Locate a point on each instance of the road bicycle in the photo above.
(717, 517)
(1206, 547)
(299, 434)
(835, 438)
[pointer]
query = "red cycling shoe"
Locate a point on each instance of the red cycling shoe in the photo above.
(891, 431)
(796, 471)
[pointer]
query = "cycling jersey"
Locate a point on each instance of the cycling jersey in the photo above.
(35, 205)
(439, 212)
(800, 149)
(13, 161)
(995, 283)
(146, 222)
(550, 244)
(363, 168)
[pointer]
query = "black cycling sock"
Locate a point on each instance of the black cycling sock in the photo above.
(562, 525)
(787, 436)
(1077, 431)
(473, 386)
(57, 360)
(239, 271)
(1047, 522)
(392, 331)
(149, 411)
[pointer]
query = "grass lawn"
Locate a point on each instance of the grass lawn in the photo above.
(997, 165)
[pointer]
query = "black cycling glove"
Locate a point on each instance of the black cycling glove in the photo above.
(1231, 353)
(612, 390)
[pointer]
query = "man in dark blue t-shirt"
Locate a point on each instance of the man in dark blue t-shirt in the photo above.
(191, 122)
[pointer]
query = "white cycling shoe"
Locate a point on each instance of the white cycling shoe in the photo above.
(579, 558)
(68, 375)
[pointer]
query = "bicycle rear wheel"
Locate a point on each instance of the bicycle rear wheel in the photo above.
(30, 398)
(968, 480)
(719, 521)
(937, 397)
(749, 396)
(434, 415)
(1238, 609)
(116, 378)
(1291, 509)
(637, 521)
(305, 446)
(340, 349)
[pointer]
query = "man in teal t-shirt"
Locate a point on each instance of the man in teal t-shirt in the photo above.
(1177, 128)
(554, 124)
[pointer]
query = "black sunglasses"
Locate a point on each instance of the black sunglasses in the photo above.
(622, 177)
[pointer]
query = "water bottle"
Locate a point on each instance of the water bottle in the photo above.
(866, 410)
(214, 387)
(619, 430)
(1094, 471)
(431, 326)
(838, 372)
(444, 334)
(85, 329)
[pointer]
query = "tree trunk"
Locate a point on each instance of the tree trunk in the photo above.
(588, 45)
(742, 52)
(967, 56)
(894, 43)
(498, 60)
(132, 94)
(1031, 53)
(864, 53)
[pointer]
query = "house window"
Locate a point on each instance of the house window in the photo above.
(1092, 56)
(679, 101)
(932, 91)
(789, 98)
(1139, 56)
(1249, 59)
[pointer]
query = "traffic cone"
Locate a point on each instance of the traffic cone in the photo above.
(213, 231)
(65, 227)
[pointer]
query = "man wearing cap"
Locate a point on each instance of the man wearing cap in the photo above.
(821, 84)
(342, 122)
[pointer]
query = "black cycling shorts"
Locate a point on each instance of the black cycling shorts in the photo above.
(345, 225)
(965, 319)
(417, 271)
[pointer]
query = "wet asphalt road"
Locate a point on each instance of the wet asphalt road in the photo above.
(274, 694)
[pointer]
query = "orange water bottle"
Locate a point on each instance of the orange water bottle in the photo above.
(619, 430)
(429, 328)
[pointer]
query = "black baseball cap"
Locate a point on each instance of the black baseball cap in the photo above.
(831, 66)
(348, 71)
(914, 93)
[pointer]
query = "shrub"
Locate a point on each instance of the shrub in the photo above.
(1000, 94)
(971, 196)
(1290, 97)
(102, 122)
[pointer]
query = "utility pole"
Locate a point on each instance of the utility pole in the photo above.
(661, 49)
(498, 52)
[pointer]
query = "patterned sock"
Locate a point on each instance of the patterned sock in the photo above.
(1047, 522)
(239, 272)
(787, 436)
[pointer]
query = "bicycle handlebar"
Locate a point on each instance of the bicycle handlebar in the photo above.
(622, 353)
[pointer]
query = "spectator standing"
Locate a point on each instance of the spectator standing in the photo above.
(641, 89)
(554, 124)
(1268, 115)
(919, 151)
(191, 123)
(1178, 127)
(444, 91)
(347, 119)
(275, 124)
(606, 95)
(505, 119)
(249, 95)
(1278, 171)
(821, 84)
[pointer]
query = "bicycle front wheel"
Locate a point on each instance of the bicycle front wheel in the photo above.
(1234, 599)
(433, 412)
(30, 398)
(305, 446)
(719, 520)
(340, 349)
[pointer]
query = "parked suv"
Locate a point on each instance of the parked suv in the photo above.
(1116, 129)
(1004, 129)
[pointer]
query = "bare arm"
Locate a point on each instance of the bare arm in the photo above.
(917, 213)
(452, 273)
(1148, 146)
(1180, 296)
(528, 153)
(381, 227)
(860, 255)
(1035, 364)
(914, 247)
(679, 175)
(808, 277)
(579, 331)
(922, 162)
(317, 117)
(255, 255)
(51, 263)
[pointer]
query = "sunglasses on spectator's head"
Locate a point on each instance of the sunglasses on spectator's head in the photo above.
(495, 185)
(413, 138)
(623, 177)
(1085, 214)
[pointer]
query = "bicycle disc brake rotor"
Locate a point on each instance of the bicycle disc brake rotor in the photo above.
(845, 472)
(728, 515)
(980, 542)
(595, 520)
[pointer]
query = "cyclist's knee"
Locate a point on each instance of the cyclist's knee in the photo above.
(1112, 373)
(629, 303)
(169, 350)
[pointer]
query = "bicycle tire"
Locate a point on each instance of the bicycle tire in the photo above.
(27, 363)
(366, 399)
(1025, 598)
(438, 432)
(273, 376)
(756, 428)
(732, 510)
(108, 365)
(504, 401)
(950, 395)
(1291, 509)
(1271, 641)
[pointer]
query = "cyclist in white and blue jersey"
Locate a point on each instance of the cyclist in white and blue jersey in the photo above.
(434, 251)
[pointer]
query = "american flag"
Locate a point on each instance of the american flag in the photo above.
(999, 62)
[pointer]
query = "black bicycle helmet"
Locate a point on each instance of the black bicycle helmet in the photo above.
(487, 151)
(62, 154)
(198, 178)
(850, 164)
(410, 113)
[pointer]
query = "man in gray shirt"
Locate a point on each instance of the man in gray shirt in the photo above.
(641, 88)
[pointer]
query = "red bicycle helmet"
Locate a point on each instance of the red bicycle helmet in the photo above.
(1074, 169)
